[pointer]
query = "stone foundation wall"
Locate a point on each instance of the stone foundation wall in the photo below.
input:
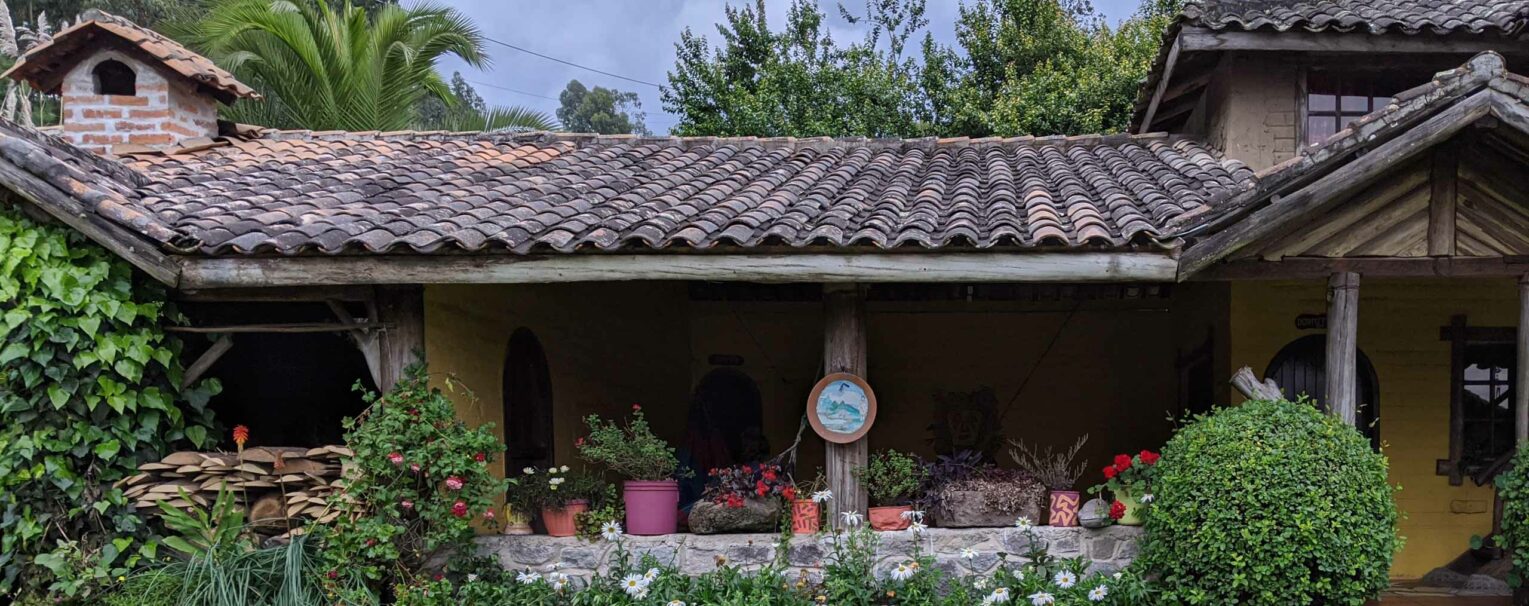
(1109, 548)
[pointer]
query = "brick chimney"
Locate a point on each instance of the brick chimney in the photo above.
(124, 87)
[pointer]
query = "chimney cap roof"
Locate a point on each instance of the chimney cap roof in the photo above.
(45, 65)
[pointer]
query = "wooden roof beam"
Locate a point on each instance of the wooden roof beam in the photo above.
(1196, 39)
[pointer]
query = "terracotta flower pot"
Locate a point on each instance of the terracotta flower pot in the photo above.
(562, 521)
(1064, 507)
(652, 508)
(1133, 510)
(515, 522)
(889, 518)
(806, 516)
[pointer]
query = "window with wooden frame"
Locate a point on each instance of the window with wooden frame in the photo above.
(1482, 379)
(1336, 98)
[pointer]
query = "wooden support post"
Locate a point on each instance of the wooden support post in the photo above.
(1441, 205)
(844, 351)
(1521, 389)
(402, 309)
(1342, 346)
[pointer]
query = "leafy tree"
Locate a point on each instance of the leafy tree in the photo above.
(469, 112)
(89, 390)
(600, 110)
(148, 13)
(337, 67)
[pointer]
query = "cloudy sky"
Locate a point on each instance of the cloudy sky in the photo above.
(631, 38)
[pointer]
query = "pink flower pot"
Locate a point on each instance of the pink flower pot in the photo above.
(1064, 507)
(652, 508)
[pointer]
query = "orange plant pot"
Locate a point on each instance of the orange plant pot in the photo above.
(889, 518)
(563, 521)
(806, 517)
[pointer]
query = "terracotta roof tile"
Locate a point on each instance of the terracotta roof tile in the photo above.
(1375, 16)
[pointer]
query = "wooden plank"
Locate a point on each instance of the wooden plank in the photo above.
(206, 360)
(118, 239)
(844, 351)
(1521, 386)
(1458, 335)
(1362, 206)
(1195, 39)
(402, 310)
(1335, 186)
(1443, 173)
(1342, 346)
(1162, 87)
(1014, 266)
(296, 327)
(1306, 268)
(317, 294)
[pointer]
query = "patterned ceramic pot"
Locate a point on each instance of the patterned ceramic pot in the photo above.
(806, 517)
(1064, 507)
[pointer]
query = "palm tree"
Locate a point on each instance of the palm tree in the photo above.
(334, 68)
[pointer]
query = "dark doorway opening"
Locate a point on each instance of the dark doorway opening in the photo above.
(114, 77)
(1301, 368)
(527, 402)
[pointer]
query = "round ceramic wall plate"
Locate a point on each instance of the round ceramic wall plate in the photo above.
(842, 408)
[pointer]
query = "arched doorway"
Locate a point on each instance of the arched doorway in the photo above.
(527, 403)
(724, 427)
(1301, 368)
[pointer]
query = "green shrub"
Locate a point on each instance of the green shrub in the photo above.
(153, 588)
(1270, 502)
(1513, 489)
(89, 389)
(630, 450)
(891, 477)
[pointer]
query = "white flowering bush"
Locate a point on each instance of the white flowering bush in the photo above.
(852, 575)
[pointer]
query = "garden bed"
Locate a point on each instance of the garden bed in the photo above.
(1109, 549)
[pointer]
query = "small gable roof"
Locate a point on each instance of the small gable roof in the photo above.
(46, 64)
(1303, 187)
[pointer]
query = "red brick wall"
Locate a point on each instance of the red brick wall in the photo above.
(166, 109)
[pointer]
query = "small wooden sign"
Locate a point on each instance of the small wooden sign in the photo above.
(841, 408)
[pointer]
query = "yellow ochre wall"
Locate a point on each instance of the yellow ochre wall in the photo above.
(1399, 323)
(1111, 373)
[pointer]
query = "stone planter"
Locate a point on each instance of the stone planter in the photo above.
(970, 509)
(756, 515)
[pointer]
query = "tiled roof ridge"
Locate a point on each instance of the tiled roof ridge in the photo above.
(794, 143)
(1447, 17)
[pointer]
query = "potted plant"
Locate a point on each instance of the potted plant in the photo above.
(652, 495)
(742, 498)
(965, 491)
(807, 507)
(892, 479)
(520, 505)
(1129, 481)
(1059, 473)
(560, 496)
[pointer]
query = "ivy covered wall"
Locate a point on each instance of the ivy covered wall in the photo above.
(89, 389)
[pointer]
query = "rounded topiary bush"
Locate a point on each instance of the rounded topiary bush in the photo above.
(1270, 502)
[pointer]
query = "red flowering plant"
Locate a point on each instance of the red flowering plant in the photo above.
(419, 483)
(1129, 476)
(731, 486)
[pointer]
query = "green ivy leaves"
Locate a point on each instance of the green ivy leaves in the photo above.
(88, 391)
(1513, 491)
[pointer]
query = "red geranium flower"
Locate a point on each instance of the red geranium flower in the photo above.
(579, 442)
(1122, 462)
(769, 475)
(636, 408)
(789, 493)
(395, 458)
(760, 488)
(459, 509)
(480, 457)
(734, 501)
(1109, 472)
(1117, 510)
(1148, 457)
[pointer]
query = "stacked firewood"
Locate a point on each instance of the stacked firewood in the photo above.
(280, 488)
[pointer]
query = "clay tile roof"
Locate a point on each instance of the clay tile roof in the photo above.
(45, 65)
(297, 192)
(1374, 16)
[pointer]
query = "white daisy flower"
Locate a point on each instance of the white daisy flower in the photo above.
(675, 603)
(651, 574)
(980, 584)
(559, 581)
(968, 553)
(564, 469)
(903, 572)
(1065, 579)
(1023, 523)
(911, 514)
(918, 527)
(1146, 499)
(634, 584)
(1042, 599)
(1117, 575)
(851, 518)
(1098, 594)
(611, 531)
(822, 496)
(999, 596)
(528, 470)
(528, 577)
(472, 578)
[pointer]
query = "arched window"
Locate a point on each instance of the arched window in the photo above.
(1301, 368)
(527, 402)
(115, 78)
